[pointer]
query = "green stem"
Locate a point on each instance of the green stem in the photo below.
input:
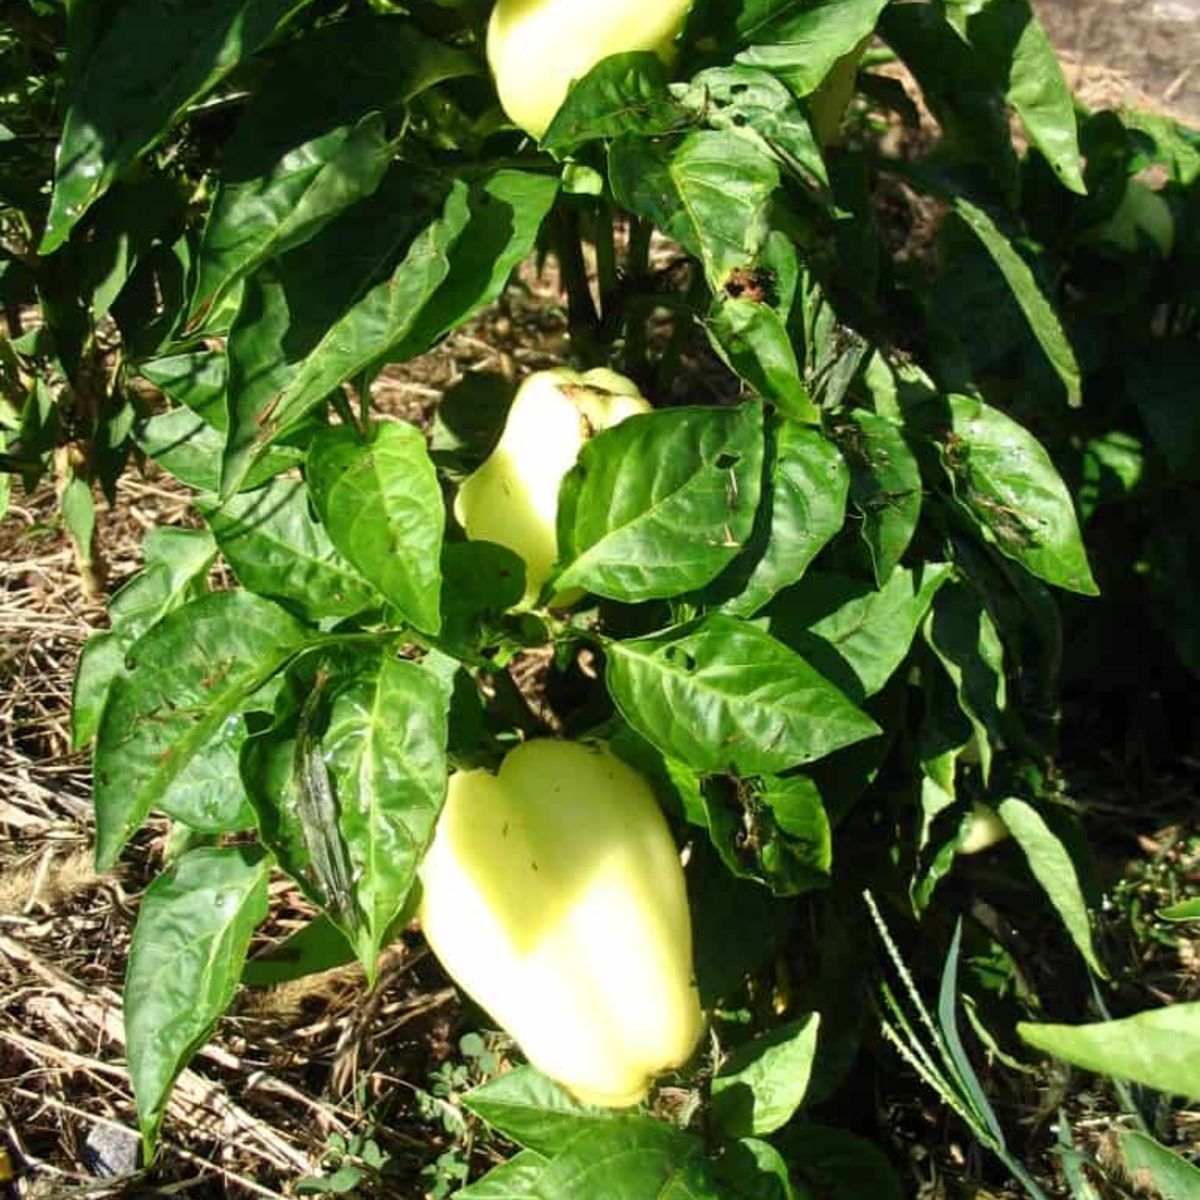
(582, 320)
(606, 272)
(681, 330)
(342, 407)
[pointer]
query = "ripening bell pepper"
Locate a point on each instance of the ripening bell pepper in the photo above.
(553, 895)
(536, 48)
(513, 497)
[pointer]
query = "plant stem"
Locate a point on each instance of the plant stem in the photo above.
(582, 320)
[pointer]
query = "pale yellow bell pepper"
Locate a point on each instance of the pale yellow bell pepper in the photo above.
(554, 896)
(513, 497)
(536, 48)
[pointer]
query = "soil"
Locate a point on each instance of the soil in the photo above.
(1130, 51)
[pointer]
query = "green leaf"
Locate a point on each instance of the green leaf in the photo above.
(963, 636)
(1159, 1048)
(840, 1164)
(1054, 869)
(753, 339)
(1149, 1161)
(751, 1169)
(808, 482)
(774, 831)
(188, 441)
(622, 94)
(801, 43)
(853, 634)
(1004, 478)
(176, 565)
(629, 1158)
(963, 96)
(1038, 310)
(193, 929)
(348, 782)
(534, 1111)
(660, 503)
(208, 795)
(454, 267)
(1185, 910)
(176, 568)
(711, 193)
(317, 946)
(101, 660)
(276, 549)
(758, 106)
(1016, 53)
(301, 155)
(297, 313)
(512, 1180)
(885, 486)
(381, 502)
(79, 516)
(141, 75)
(762, 1084)
(720, 694)
(187, 676)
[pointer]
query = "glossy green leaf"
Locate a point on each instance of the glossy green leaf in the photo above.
(720, 694)
(762, 1084)
(207, 795)
(1015, 52)
(885, 486)
(188, 441)
(534, 1111)
(187, 676)
(175, 571)
(1146, 1160)
(754, 340)
(622, 94)
(801, 43)
(349, 780)
(480, 582)
(660, 503)
(711, 194)
(276, 548)
(137, 80)
(315, 947)
(1005, 479)
(629, 1158)
(963, 636)
(808, 483)
(1038, 310)
(1052, 865)
(1159, 1048)
(506, 213)
(855, 635)
(301, 155)
(380, 500)
(454, 267)
(293, 310)
(193, 929)
(757, 105)
(512, 1180)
